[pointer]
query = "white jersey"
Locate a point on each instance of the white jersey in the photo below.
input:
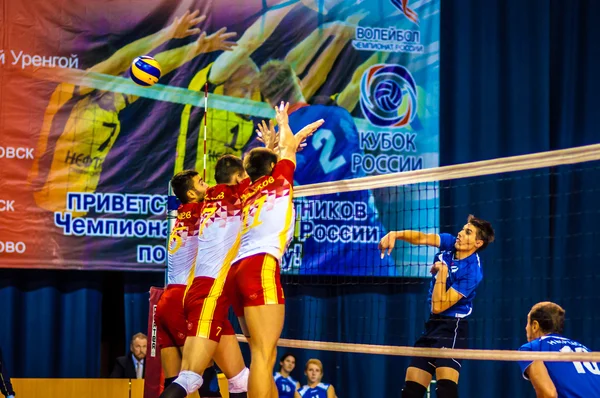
(268, 213)
(220, 229)
(183, 244)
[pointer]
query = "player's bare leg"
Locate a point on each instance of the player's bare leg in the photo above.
(197, 356)
(170, 359)
(229, 358)
(265, 323)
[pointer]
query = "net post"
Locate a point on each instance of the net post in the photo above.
(171, 215)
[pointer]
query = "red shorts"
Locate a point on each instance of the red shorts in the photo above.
(206, 309)
(254, 281)
(171, 326)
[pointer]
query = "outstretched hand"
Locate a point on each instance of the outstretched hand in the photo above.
(306, 132)
(267, 135)
(388, 242)
(183, 26)
(218, 41)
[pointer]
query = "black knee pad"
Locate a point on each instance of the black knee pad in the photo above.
(174, 391)
(210, 385)
(446, 389)
(412, 389)
(168, 382)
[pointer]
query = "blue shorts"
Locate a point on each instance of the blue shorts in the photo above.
(442, 332)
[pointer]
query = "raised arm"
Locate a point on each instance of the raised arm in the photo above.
(300, 56)
(350, 95)
(173, 59)
(541, 381)
(317, 75)
(289, 143)
(413, 237)
(119, 62)
(227, 63)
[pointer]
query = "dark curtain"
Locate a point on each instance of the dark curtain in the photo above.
(51, 323)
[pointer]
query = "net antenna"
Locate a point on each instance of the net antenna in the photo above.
(205, 118)
(172, 205)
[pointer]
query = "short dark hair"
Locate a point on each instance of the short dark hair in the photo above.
(227, 166)
(258, 162)
(485, 232)
(287, 354)
(277, 81)
(550, 317)
(182, 182)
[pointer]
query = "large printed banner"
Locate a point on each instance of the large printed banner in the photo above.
(86, 155)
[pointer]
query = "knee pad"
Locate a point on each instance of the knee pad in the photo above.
(446, 389)
(239, 383)
(189, 380)
(412, 389)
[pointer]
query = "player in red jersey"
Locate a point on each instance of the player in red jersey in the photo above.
(253, 284)
(209, 333)
(183, 245)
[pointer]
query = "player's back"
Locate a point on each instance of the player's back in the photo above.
(183, 243)
(318, 391)
(268, 213)
(220, 227)
(286, 386)
(571, 379)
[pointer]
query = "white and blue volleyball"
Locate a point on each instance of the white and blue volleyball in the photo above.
(145, 71)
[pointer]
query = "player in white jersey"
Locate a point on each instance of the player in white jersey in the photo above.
(209, 333)
(253, 284)
(183, 245)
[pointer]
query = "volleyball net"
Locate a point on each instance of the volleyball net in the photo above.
(544, 210)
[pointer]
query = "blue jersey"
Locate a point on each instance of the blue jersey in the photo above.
(571, 379)
(463, 276)
(319, 391)
(286, 386)
(328, 155)
(346, 223)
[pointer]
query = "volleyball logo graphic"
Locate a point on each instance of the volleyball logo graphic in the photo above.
(145, 71)
(388, 95)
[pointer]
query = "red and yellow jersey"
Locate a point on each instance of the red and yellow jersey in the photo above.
(220, 229)
(268, 213)
(183, 243)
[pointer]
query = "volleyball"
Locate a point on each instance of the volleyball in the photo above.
(145, 71)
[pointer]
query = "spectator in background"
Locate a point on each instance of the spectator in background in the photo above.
(286, 386)
(5, 386)
(132, 366)
(315, 388)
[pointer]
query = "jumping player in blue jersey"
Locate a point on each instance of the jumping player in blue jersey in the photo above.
(286, 386)
(457, 271)
(545, 324)
(328, 157)
(315, 388)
